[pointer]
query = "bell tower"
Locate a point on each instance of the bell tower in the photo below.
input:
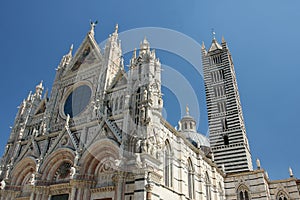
(228, 139)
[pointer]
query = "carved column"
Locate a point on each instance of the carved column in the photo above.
(149, 187)
(118, 180)
(32, 196)
(73, 193)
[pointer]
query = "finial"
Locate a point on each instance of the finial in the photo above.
(223, 39)
(46, 94)
(116, 28)
(2, 185)
(223, 168)
(67, 121)
(71, 49)
(213, 33)
(145, 41)
(258, 163)
(267, 175)
(29, 96)
(291, 172)
(134, 53)
(41, 84)
(187, 110)
(203, 46)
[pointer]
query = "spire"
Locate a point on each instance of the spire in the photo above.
(122, 62)
(39, 89)
(223, 39)
(133, 58)
(145, 41)
(144, 44)
(29, 96)
(203, 45)
(258, 163)
(144, 47)
(40, 85)
(134, 53)
(70, 51)
(224, 43)
(66, 58)
(116, 29)
(291, 172)
(214, 44)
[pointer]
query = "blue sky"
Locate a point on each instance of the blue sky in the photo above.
(263, 37)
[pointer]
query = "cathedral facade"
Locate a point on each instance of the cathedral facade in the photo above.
(101, 135)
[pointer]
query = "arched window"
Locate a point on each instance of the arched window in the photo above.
(168, 165)
(243, 193)
(220, 191)
(282, 196)
(121, 103)
(110, 106)
(207, 187)
(116, 104)
(136, 113)
(191, 183)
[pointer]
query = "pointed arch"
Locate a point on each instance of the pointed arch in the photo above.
(191, 181)
(116, 107)
(207, 186)
(243, 192)
(121, 102)
(221, 191)
(281, 195)
(168, 166)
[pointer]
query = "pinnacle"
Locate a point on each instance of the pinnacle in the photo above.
(203, 45)
(116, 28)
(223, 39)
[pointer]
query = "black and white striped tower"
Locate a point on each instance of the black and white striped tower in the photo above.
(227, 135)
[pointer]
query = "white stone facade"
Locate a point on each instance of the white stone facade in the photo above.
(101, 135)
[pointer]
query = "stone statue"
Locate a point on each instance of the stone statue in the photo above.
(144, 146)
(72, 172)
(76, 159)
(179, 125)
(145, 95)
(7, 171)
(138, 146)
(67, 121)
(38, 164)
(2, 185)
(32, 179)
(258, 163)
(291, 172)
(93, 25)
(143, 113)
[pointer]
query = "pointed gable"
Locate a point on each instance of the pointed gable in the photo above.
(88, 53)
(120, 80)
(41, 108)
(214, 46)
